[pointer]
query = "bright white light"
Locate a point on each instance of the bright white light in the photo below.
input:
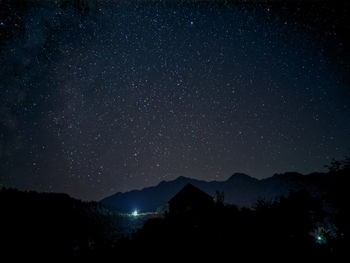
(135, 213)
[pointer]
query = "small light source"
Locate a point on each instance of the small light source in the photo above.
(135, 213)
(319, 238)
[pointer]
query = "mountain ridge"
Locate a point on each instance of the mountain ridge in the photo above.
(239, 189)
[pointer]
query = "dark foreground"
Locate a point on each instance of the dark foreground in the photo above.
(298, 226)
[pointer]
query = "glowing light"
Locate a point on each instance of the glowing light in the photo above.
(320, 239)
(135, 213)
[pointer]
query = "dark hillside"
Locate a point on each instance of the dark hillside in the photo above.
(54, 224)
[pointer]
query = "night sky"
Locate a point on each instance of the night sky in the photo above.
(112, 96)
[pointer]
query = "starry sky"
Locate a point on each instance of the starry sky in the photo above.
(98, 97)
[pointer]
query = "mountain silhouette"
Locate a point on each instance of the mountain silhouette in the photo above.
(239, 189)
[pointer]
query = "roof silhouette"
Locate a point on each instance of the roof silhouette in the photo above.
(190, 193)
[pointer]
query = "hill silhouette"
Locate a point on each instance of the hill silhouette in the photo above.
(47, 224)
(240, 189)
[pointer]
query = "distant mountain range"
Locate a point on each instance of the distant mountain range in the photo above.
(240, 189)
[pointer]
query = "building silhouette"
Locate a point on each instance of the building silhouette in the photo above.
(190, 200)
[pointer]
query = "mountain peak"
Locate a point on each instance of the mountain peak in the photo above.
(183, 179)
(239, 176)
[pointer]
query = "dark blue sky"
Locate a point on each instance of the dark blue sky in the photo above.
(125, 94)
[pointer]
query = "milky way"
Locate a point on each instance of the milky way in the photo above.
(114, 96)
